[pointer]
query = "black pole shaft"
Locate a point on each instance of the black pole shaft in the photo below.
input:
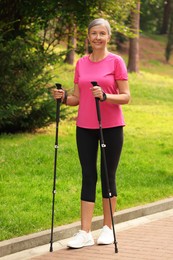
(58, 101)
(103, 145)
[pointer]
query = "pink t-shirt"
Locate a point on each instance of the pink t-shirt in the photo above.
(105, 72)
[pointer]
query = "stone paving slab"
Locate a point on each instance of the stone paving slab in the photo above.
(149, 241)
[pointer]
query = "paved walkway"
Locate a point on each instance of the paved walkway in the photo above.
(149, 237)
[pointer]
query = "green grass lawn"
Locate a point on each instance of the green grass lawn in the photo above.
(145, 173)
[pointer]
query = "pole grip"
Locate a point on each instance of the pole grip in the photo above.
(94, 83)
(58, 85)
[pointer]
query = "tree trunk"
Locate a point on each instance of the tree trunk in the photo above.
(169, 47)
(133, 62)
(71, 45)
(166, 15)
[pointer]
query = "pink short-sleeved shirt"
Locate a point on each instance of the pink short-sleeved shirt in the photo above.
(105, 72)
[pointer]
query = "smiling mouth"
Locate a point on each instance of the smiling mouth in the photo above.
(98, 43)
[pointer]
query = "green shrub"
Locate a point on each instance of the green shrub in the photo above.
(25, 100)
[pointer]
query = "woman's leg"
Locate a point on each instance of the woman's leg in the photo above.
(107, 221)
(87, 144)
(87, 209)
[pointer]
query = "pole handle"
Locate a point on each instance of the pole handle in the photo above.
(94, 83)
(58, 85)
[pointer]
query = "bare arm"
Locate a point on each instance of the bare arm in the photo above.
(73, 100)
(123, 97)
(124, 94)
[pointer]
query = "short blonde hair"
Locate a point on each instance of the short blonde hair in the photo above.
(100, 21)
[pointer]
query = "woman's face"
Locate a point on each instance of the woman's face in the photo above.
(98, 37)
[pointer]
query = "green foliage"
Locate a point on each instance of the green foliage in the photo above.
(25, 100)
(21, 17)
(26, 103)
(151, 15)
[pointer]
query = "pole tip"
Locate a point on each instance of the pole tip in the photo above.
(116, 248)
(51, 248)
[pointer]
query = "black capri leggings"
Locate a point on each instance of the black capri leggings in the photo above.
(87, 143)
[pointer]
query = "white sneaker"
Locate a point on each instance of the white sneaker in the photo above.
(81, 239)
(106, 236)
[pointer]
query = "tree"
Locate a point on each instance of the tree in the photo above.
(151, 14)
(71, 45)
(133, 62)
(166, 15)
(169, 47)
(25, 100)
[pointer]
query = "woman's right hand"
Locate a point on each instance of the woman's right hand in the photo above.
(58, 93)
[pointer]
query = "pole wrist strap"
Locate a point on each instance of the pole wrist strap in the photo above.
(65, 98)
(104, 97)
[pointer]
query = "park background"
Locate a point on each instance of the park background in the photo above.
(39, 45)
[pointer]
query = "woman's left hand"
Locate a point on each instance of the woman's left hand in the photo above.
(97, 92)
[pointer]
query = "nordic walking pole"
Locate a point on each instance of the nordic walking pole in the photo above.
(103, 145)
(58, 101)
